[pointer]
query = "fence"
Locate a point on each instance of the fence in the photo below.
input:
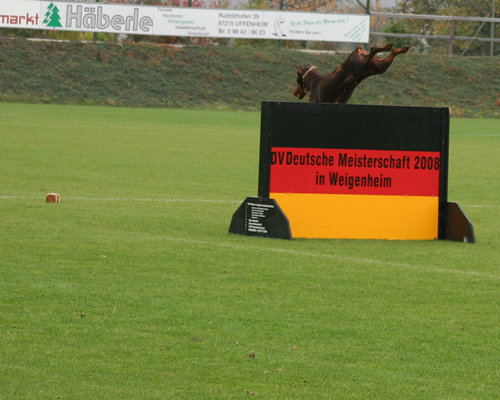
(451, 38)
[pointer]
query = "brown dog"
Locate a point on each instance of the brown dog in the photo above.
(338, 86)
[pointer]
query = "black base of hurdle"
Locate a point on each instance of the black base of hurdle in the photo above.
(260, 216)
(458, 226)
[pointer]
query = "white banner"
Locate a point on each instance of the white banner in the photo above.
(166, 21)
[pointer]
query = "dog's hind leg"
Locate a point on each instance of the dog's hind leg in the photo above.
(379, 65)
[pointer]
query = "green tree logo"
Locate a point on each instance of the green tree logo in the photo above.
(52, 17)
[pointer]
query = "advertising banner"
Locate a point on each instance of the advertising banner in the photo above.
(168, 21)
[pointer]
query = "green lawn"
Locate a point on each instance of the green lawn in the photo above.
(131, 287)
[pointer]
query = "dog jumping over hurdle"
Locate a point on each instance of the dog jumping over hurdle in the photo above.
(338, 86)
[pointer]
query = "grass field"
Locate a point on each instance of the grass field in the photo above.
(131, 287)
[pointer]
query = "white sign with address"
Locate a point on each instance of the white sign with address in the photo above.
(253, 24)
(166, 21)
